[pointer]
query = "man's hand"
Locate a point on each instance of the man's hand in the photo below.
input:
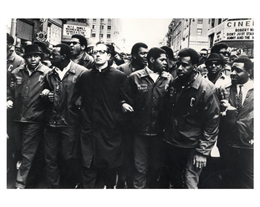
(51, 96)
(9, 104)
(199, 160)
(127, 108)
(45, 92)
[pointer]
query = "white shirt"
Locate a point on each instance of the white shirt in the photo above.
(61, 73)
(245, 88)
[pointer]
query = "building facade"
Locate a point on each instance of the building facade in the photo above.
(236, 33)
(107, 30)
(50, 31)
(191, 33)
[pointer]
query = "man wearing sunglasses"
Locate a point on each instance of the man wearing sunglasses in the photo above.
(192, 124)
(100, 136)
(215, 65)
(222, 49)
(78, 46)
(238, 131)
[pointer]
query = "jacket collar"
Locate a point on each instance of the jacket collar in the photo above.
(71, 66)
(194, 83)
(197, 81)
(147, 71)
(39, 68)
(11, 57)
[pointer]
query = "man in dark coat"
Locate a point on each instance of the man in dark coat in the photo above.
(144, 94)
(29, 111)
(237, 126)
(192, 125)
(62, 129)
(101, 144)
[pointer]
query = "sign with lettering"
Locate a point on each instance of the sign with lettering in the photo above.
(239, 30)
(54, 34)
(69, 30)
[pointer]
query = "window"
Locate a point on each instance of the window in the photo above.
(101, 35)
(94, 20)
(93, 26)
(199, 32)
(93, 35)
(200, 21)
(109, 27)
(108, 36)
(102, 26)
(219, 21)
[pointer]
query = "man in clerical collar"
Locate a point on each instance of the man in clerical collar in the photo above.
(101, 123)
(192, 123)
(144, 93)
(237, 131)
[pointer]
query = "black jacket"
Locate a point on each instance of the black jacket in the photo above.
(25, 94)
(146, 97)
(194, 114)
(64, 111)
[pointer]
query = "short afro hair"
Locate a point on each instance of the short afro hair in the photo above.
(82, 39)
(154, 52)
(247, 62)
(136, 47)
(189, 52)
(217, 47)
(65, 50)
(169, 52)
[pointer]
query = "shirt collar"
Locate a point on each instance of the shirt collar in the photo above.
(67, 68)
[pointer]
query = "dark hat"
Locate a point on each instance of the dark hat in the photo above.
(10, 39)
(215, 57)
(43, 47)
(216, 48)
(32, 49)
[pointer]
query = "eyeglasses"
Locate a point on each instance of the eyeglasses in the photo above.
(226, 54)
(74, 43)
(102, 52)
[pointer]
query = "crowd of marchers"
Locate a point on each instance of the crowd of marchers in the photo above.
(149, 122)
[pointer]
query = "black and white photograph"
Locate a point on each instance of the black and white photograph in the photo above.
(120, 110)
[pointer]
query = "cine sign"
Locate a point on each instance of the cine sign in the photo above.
(239, 30)
(69, 30)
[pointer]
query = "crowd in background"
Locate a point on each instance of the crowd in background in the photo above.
(86, 116)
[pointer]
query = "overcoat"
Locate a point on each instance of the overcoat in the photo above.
(101, 140)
